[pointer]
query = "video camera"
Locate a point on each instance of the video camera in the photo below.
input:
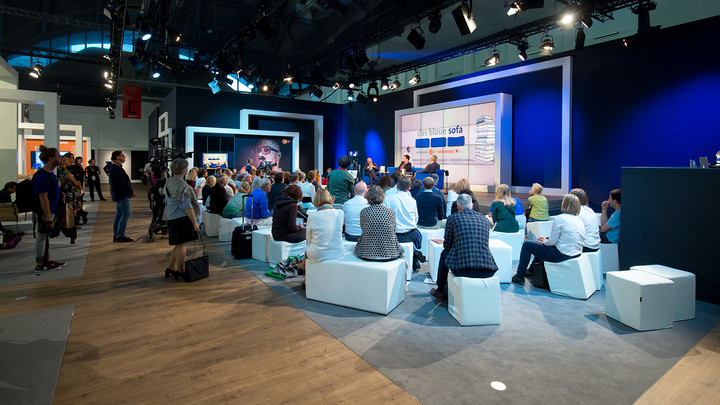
(264, 165)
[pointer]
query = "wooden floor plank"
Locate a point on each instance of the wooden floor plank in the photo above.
(137, 337)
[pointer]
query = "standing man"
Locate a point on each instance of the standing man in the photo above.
(610, 229)
(47, 189)
(121, 191)
(249, 166)
(465, 249)
(92, 172)
(371, 171)
(200, 182)
(340, 182)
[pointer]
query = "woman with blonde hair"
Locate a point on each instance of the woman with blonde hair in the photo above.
(191, 178)
(565, 242)
(205, 192)
(502, 211)
(461, 187)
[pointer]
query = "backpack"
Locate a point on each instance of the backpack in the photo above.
(25, 198)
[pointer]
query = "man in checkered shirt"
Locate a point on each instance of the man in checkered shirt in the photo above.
(466, 250)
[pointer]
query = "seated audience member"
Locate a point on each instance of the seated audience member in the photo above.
(7, 192)
(231, 188)
(324, 180)
(432, 167)
(436, 190)
(324, 230)
(308, 189)
(378, 241)
(276, 189)
(312, 179)
(565, 241)
(520, 213)
(417, 186)
(430, 207)
(256, 180)
(463, 187)
(294, 178)
(537, 204)
(610, 229)
(340, 182)
(352, 208)
(218, 195)
(235, 208)
(502, 211)
(191, 178)
(257, 207)
(465, 247)
(405, 165)
(205, 193)
(589, 218)
(286, 178)
(284, 224)
(371, 170)
(406, 214)
(385, 183)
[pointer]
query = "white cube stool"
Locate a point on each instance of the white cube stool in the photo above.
(610, 261)
(514, 240)
(227, 226)
(683, 289)
(502, 253)
(428, 234)
(260, 241)
(638, 299)
(351, 282)
(278, 251)
(433, 258)
(538, 228)
(571, 278)
(349, 246)
(474, 301)
(212, 223)
(596, 264)
(408, 248)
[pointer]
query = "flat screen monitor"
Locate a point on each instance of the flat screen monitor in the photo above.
(215, 160)
(352, 153)
(36, 163)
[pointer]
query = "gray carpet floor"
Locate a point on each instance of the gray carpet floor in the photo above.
(31, 351)
(548, 348)
(17, 265)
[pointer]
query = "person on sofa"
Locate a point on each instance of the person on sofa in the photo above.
(432, 167)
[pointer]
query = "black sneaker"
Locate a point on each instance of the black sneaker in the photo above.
(123, 239)
(47, 267)
(518, 280)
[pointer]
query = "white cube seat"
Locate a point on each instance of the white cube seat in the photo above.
(225, 229)
(610, 260)
(212, 223)
(571, 278)
(514, 240)
(537, 229)
(433, 258)
(260, 241)
(638, 299)
(596, 264)
(474, 301)
(349, 246)
(351, 282)
(408, 255)
(278, 251)
(683, 288)
(502, 253)
(428, 234)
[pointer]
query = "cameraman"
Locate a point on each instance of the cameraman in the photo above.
(268, 154)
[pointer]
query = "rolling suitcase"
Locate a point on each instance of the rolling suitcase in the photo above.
(241, 245)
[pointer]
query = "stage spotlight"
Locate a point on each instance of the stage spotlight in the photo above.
(415, 79)
(337, 85)
(514, 8)
(494, 58)
(523, 47)
(580, 39)
(547, 45)
(351, 95)
(36, 71)
(109, 85)
(373, 92)
(435, 22)
(567, 16)
(464, 19)
(145, 33)
(214, 86)
(288, 76)
(524, 5)
(351, 83)
(155, 72)
(316, 91)
(263, 25)
(265, 87)
(396, 84)
(416, 38)
(586, 21)
(361, 97)
(384, 84)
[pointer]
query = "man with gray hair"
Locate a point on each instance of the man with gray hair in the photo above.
(406, 215)
(257, 209)
(352, 208)
(465, 248)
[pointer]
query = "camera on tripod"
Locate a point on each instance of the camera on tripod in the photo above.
(264, 165)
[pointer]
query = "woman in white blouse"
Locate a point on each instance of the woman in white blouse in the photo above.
(565, 241)
(324, 229)
(590, 219)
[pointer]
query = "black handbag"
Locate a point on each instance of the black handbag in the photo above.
(197, 268)
(540, 277)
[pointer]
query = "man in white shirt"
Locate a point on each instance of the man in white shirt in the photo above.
(352, 208)
(200, 182)
(589, 218)
(406, 214)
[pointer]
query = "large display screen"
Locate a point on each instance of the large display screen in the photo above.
(215, 160)
(463, 139)
(265, 152)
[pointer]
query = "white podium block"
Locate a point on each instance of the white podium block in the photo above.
(474, 301)
(351, 282)
(428, 234)
(408, 248)
(638, 299)
(596, 264)
(683, 289)
(502, 253)
(349, 246)
(571, 278)
(225, 230)
(260, 241)
(212, 223)
(278, 251)
(433, 258)
(538, 228)
(610, 261)
(514, 240)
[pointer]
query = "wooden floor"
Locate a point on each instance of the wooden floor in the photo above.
(137, 337)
